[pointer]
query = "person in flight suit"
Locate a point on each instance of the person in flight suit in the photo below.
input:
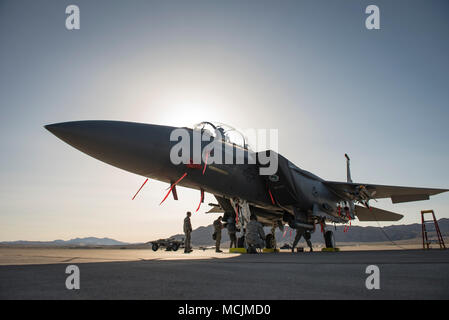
(217, 228)
(299, 233)
(255, 236)
(187, 232)
(232, 233)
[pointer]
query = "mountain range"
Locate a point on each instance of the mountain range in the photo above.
(89, 241)
(202, 236)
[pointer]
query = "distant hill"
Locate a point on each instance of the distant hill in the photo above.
(89, 241)
(202, 236)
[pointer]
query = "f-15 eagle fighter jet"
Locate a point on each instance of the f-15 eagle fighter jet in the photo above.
(244, 182)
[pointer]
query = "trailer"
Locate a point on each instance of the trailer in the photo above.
(170, 244)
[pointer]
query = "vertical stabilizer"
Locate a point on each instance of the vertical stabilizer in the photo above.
(348, 169)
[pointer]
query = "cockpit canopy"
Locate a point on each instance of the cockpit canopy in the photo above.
(228, 133)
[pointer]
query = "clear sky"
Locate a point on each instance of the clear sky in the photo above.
(308, 68)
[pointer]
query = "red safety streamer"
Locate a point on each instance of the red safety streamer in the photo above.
(347, 226)
(271, 196)
(205, 162)
(140, 189)
(236, 214)
(201, 200)
(174, 184)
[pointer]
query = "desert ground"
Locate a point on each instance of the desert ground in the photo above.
(140, 273)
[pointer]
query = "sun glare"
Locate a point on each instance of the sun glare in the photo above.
(186, 110)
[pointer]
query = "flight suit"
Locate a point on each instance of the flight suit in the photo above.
(255, 235)
(217, 226)
(187, 232)
(232, 233)
(299, 233)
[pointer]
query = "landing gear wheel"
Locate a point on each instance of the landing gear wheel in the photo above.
(175, 247)
(154, 247)
(329, 239)
(241, 242)
(251, 249)
(270, 241)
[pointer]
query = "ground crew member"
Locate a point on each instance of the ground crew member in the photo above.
(187, 232)
(299, 233)
(232, 231)
(217, 227)
(255, 236)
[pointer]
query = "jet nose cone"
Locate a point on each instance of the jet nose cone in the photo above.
(49, 127)
(127, 145)
(55, 127)
(94, 135)
(72, 132)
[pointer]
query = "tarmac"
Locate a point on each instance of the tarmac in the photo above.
(39, 273)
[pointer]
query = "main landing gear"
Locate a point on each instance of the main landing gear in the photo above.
(329, 238)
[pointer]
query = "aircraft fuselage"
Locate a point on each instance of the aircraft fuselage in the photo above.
(144, 149)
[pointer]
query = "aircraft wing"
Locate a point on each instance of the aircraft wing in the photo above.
(376, 214)
(215, 209)
(357, 191)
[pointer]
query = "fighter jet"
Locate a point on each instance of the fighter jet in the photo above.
(288, 196)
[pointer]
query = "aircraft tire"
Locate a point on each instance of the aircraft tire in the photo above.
(241, 242)
(251, 250)
(329, 239)
(269, 241)
(155, 246)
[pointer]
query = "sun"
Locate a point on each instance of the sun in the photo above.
(186, 109)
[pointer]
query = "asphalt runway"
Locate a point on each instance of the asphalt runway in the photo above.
(143, 274)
